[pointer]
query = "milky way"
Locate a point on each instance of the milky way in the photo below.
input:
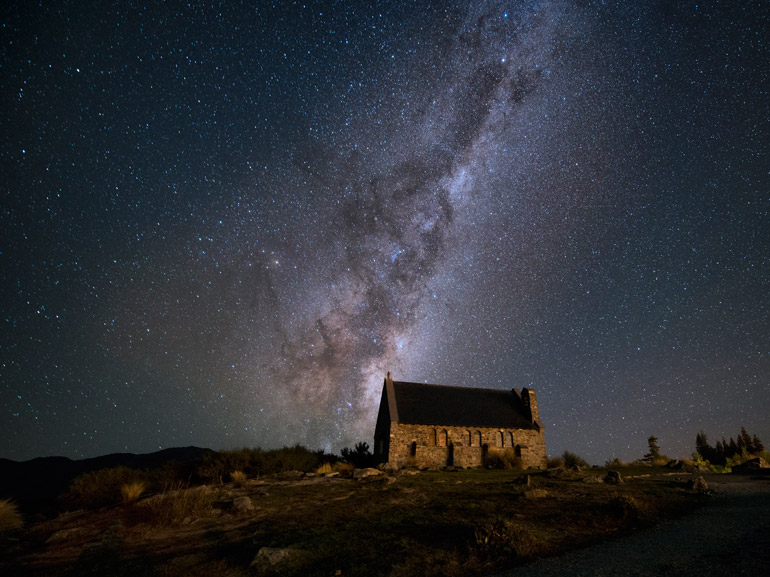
(222, 226)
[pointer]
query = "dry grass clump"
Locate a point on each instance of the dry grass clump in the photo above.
(10, 518)
(132, 491)
(238, 477)
(504, 539)
(324, 469)
(555, 463)
(343, 468)
(175, 507)
(502, 459)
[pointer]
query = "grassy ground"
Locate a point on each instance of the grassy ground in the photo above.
(430, 523)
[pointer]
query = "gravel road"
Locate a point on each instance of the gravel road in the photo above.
(730, 536)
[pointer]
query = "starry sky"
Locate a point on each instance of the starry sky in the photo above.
(223, 223)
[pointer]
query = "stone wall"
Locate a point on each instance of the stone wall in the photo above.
(435, 447)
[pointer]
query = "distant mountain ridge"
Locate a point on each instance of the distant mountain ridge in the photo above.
(35, 484)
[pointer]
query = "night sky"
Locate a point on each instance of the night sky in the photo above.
(223, 224)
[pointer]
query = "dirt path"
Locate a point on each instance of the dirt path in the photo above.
(730, 536)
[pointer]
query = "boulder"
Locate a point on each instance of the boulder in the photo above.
(751, 465)
(243, 504)
(698, 484)
(269, 560)
(364, 473)
(613, 478)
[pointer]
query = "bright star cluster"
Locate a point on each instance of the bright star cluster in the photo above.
(223, 224)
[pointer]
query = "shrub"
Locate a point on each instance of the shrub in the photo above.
(555, 463)
(502, 539)
(324, 469)
(132, 491)
(238, 477)
(176, 506)
(573, 461)
(502, 459)
(10, 518)
(100, 488)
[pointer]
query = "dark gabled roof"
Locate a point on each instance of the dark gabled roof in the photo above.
(421, 404)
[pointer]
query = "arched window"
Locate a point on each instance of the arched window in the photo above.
(509, 439)
(443, 437)
(413, 449)
(499, 438)
(433, 438)
(477, 438)
(469, 437)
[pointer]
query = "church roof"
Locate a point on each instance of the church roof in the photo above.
(422, 404)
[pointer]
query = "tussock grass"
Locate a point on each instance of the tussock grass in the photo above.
(132, 491)
(502, 459)
(238, 477)
(176, 507)
(10, 518)
(324, 469)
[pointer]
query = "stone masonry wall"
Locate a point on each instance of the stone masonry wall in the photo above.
(461, 446)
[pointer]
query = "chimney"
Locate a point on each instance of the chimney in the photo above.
(388, 380)
(530, 403)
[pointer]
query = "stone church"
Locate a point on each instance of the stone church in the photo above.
(437, 426)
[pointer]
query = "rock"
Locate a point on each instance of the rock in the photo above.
(613, 478)
(751, 465)
(268, 558)
(243, 504)
(364, 473)
(698, 484)
(332, 474)
(593, 480)
(535, 494)
(64, 534)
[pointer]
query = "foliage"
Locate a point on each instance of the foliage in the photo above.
(555, 463)
(255, 462)
(654, 452)
(10, 518)
(324, 469)
(615, 462)
(502, 459)
(504, 538)
(573, 461)
(131, 491)
(726, 453)
(238, 478)
(360, 457)
(100, 488)
(173, 507)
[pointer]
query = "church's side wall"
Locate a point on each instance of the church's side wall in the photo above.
(430, 446)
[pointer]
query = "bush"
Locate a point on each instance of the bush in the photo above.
(238, 478)
(10, 518)
(555, 463)
(175, 506)
(502, 459)
(503, 539)
(132, 491)
(100, 488)
(324, 469)
(573, 461)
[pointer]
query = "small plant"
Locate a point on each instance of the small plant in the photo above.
(175, 506)
(324, 469)
(238, 477)
(503, 538)
(502, 459)
(10, 518)
(132, 491)
(573, 461)
(555, 463)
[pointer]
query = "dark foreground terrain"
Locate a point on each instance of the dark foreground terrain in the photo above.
(472, 522)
